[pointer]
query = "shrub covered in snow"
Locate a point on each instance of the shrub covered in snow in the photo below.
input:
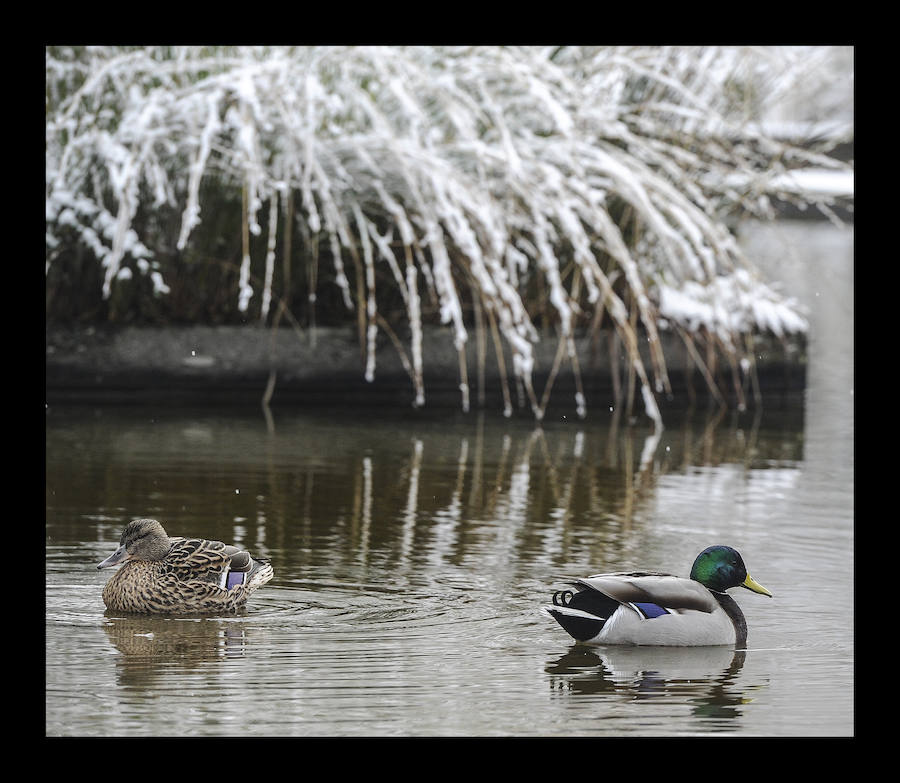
(600, 175)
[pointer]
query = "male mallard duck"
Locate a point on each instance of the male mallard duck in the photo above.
(660, 609)
(163, 575)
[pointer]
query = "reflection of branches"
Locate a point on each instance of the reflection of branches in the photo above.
(508, 486)
(412, 498)
(398, 492)
(537, 489)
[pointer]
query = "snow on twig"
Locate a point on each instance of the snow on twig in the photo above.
(495, 165)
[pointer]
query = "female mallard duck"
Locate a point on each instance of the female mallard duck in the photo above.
(660, 609)
(163, 575)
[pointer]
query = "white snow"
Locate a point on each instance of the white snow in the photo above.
(478, 168)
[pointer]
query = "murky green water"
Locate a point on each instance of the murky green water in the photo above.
(412, 556)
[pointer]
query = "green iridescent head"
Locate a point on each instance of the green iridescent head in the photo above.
(721, 567)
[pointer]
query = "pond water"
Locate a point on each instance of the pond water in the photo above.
(412, 555)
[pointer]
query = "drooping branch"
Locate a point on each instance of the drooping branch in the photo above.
(494, 167)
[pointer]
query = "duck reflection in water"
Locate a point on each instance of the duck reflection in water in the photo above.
(709, 677)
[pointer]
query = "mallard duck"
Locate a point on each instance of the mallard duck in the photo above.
(163, 575)
(649, 608)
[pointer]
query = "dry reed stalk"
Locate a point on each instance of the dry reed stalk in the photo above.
(463, 379)
(398, 345)
(730, 357)
(497, 164)
(480, 344)
(243, 283)
(501, 363)
(634, 359)
(750, 358)
(270, 258)
(614, 367)
(414, 311)
(701, 365)
(287, 249)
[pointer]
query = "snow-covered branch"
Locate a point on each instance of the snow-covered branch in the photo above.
(605, 172)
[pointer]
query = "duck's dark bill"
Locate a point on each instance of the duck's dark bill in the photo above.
(114, 559)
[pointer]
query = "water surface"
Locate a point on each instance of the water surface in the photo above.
(412, 555)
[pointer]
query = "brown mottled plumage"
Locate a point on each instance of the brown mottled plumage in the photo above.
(163, 575)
